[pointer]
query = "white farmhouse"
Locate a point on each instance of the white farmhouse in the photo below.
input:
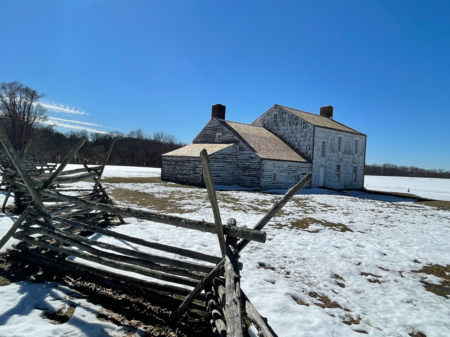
(275, 151)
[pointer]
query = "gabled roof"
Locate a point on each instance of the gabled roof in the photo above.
(193, 150)
(265, 144)
(320, 121)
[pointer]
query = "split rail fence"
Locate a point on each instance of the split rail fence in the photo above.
(54, 224)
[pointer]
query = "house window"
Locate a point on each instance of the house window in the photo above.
(338, 172)
(274, 177)
(275, 117)
(356, 146)
(218, 137)
(339, 144)
(354, 173)
(323, 149)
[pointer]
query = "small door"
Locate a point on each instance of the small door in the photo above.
(322, 177)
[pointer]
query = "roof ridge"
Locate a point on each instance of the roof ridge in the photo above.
(254, 126)
(316, 115)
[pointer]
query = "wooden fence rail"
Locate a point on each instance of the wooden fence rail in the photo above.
(54, 226)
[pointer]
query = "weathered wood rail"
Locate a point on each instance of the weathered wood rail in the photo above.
(53, 227)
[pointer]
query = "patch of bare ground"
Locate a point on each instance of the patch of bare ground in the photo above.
(143, 180)
(371, 277)
(14, 271)
(417, 334)
(237, 205)
(443, 272)
(339, 280)
(305, 223)
(323, 301)
(60, 316)
(440, 205)
(265, 266)
(151, 201)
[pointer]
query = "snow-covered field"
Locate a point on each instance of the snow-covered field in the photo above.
(431, 188)
(334, 264)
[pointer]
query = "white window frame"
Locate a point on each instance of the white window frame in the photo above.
(274, 177)
(338, 172)
(322, 151)
(354, 173)
(219, 137)
(339, 143)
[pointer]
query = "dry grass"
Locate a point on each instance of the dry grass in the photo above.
(443, 272)
(142, 180)
(305, 223)
(440, 205)
(340, 281)
(60, 317)
(371, 277)
(167, 204)
(324, 301)
(265, 266)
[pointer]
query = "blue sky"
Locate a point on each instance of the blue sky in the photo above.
(160, 65)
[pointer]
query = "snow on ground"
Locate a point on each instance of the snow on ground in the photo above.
(431, 188)
(24, 303)
(123, 171)
(357, 253)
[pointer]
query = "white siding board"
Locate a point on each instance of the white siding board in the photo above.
(346, 158)
(286, 172)
(208, 134)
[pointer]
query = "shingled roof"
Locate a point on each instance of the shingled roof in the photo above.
(320, 120)
(193, 150)
(265, 144)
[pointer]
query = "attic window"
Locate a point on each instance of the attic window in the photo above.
(218, 137)
(275, 117)
(323, 149)
(339, 144)
(274, 177)
(356, 146)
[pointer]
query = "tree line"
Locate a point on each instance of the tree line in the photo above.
(133, 149)
(23, 119)
(405, 171)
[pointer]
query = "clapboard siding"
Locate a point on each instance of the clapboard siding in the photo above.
(345, 157)
(249, 167)
(295, 131)
(286, 172)
(188, 170)
(224, 166)
(182, 170)
(208, 134)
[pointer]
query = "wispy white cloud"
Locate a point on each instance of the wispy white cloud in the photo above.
(64, 125)
(72, 121)
(60, 108)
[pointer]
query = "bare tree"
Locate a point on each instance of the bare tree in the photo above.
(20, 111)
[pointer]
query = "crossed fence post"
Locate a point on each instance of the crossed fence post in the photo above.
(228, 258)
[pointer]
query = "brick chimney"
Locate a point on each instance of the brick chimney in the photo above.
(326, 111)
(218, 111)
